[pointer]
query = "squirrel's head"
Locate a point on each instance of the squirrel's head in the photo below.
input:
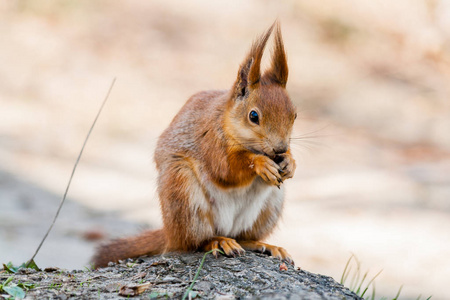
(261, 115)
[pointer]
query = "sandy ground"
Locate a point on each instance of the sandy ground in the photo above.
(370, 82)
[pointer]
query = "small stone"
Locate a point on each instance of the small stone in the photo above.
(51, 269)
(61, 296)
(225, 297)
(26, 271)
(171, 279)
(203, 286)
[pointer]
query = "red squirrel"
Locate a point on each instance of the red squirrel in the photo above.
(221, 165)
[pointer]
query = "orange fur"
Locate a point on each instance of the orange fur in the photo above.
(216, 165)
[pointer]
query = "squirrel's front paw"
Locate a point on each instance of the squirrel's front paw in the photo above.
(267, 169)
(287, 165)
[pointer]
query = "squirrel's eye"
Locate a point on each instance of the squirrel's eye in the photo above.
(253, 116)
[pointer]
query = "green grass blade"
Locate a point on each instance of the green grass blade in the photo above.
(361, 283)
(7, 281)
(198, 273)
(398, 293)
(345, 273)
(356, 275)
(370, 282)
(373, 291)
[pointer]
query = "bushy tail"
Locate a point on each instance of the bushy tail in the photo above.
(148, 243)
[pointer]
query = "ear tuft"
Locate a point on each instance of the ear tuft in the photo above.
(278, 72)
(249, 73)
(256, 52)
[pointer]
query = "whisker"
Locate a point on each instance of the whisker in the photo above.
(311, 134)
(306, 143)
(309, 144)
(304, 138)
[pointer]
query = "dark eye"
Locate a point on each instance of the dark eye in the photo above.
(253, 116)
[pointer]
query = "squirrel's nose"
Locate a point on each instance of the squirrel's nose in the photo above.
(280, 149)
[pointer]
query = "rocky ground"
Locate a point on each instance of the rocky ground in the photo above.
(252, 276)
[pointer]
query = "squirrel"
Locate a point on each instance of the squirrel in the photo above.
(221, 164)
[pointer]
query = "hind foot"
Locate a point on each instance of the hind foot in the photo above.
(229, 246)
(274, 251)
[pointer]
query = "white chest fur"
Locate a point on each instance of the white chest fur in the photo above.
(236, 210)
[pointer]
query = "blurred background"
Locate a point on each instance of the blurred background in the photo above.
(370, 80)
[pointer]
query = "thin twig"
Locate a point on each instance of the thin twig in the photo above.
(71, 176)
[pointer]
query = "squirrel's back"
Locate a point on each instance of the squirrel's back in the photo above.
(201, 115)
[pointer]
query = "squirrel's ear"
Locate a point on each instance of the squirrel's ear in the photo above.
(249, 73)
(278, 72)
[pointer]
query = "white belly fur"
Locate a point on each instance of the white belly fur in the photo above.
(235, 210)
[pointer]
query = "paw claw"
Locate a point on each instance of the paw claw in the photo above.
(274, 251)
(267, 169)
(229, 246)
(286, 166)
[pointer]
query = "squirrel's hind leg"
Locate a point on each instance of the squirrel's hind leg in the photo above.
(274, 251)
(185, 210)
